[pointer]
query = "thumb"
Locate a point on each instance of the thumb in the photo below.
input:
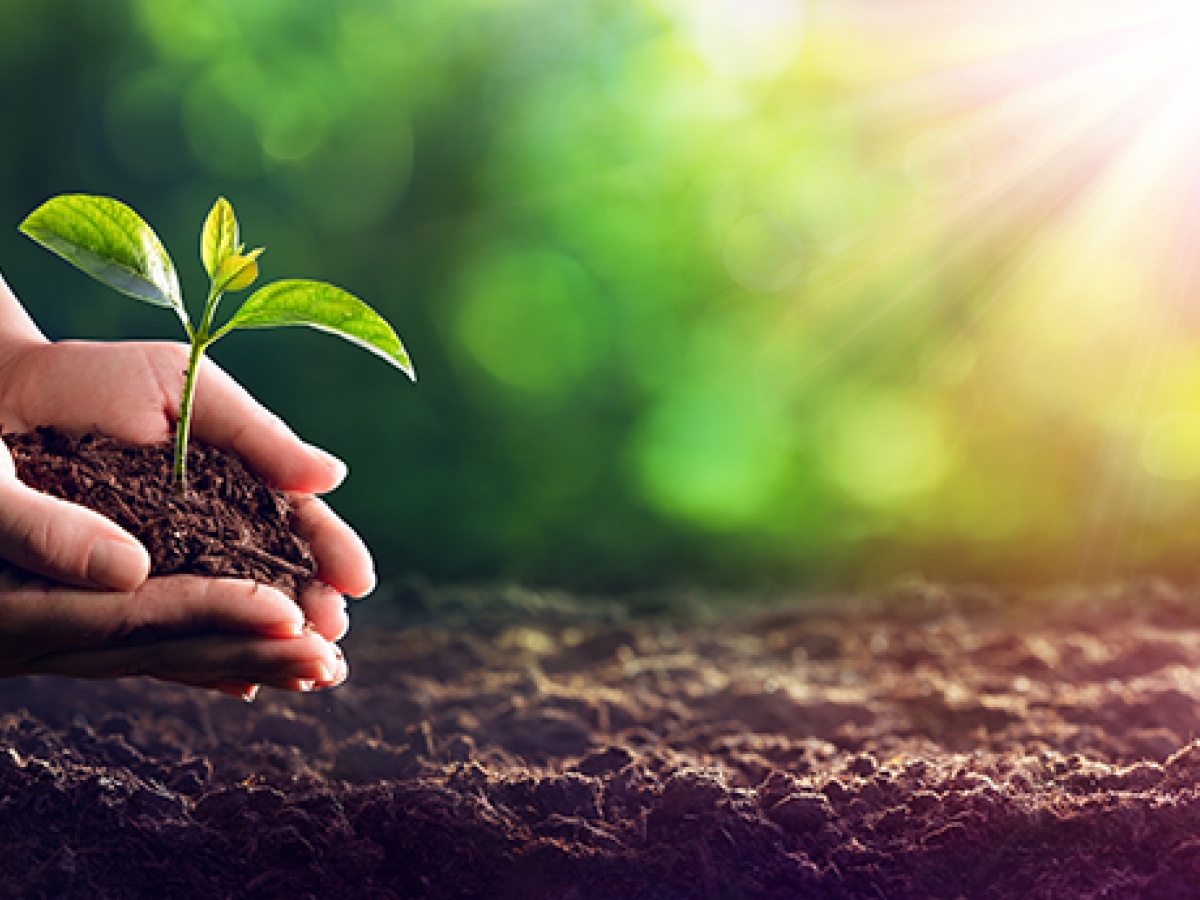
(64, 541)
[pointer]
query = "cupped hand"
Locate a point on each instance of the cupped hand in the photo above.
(131, 391)
(227, 635)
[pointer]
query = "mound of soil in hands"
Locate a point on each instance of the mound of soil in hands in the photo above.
(231, 524)
(502, 744)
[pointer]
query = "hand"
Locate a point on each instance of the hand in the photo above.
(222, 634)
(131, 391)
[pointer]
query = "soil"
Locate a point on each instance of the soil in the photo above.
(925, 743)
(230, 524)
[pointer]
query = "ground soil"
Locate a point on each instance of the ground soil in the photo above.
(923, 743)
(230, 523)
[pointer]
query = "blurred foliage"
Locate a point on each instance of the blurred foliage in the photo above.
(679, 292)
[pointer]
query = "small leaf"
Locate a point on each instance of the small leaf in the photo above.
(109, 241)
(326, 308)
(219, 239)
(238, 272)
(245, 277)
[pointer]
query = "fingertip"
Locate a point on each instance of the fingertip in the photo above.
(370, 581)
(331, 677)
(343, 673)
(239, 605)
(343, 560)
(311, 659)
(356, 584)
(289, 464)
(117, 565)
(325, 608)
(335, 470)
(293, 624)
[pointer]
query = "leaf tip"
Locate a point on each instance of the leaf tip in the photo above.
(28, 226)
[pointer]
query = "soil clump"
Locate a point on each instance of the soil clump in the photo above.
(230, 525)
(924, 743)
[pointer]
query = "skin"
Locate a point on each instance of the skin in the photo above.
(82, 604)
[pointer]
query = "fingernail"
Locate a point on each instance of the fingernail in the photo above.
(308, 686)
(328, 673)
(250, 693)
(340, 469)
(117, 565)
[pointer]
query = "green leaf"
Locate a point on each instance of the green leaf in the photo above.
(237, 272)
(324, 307)
(109, 241)
(219, 239)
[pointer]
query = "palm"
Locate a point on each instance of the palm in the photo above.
(123, 388)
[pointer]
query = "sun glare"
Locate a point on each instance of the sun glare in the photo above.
(1023, 127)
(1036, 167)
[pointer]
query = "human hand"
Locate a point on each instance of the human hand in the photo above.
(131, 391)
(215, 633)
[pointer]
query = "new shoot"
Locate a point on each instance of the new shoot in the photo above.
(111, 242)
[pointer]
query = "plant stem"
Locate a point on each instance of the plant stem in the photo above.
(200, 340)
(184, 422)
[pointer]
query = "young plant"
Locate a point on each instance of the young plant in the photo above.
(109, 241)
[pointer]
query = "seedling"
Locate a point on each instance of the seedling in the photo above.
(110, 242)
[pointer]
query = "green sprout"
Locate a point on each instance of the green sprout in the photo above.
(111, 242)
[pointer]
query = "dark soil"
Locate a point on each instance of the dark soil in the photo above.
(504, 744)
(231, 524)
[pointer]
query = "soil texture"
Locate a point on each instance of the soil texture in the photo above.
(231, 524)
(925, 743)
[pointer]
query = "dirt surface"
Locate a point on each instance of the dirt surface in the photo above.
(504, 744)
(231, 523)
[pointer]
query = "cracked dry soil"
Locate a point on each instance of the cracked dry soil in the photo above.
(925, 742)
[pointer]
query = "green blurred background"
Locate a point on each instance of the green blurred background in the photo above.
(697, 292)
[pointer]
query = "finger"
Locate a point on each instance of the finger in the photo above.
(343, 560)
(324, 608)
(203, 661)
(342, 673)
(226, 415)
(65, 542)
(301, 686)
(181, 604)
(44, 619)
